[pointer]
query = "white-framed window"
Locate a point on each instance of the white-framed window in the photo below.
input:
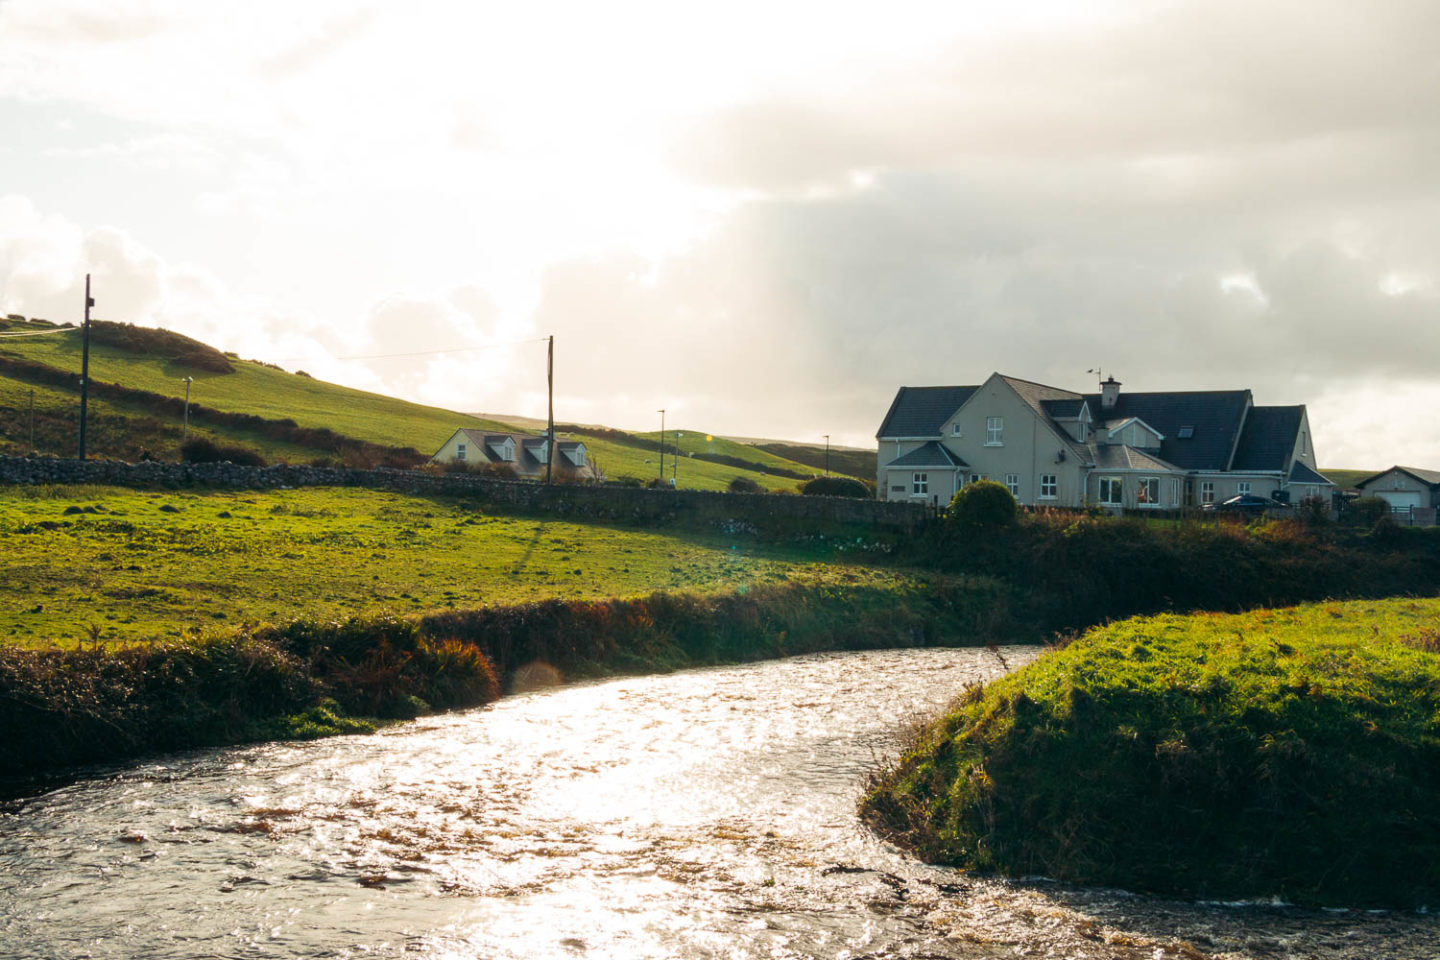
(1111, 491)
(1175, 493)
(994, 431)
(919, 484)
(1243, 487)
(459, 451)
(1147, 492)
(1207, 491)
(955, 430)
(1012, 483)
(1049, 486)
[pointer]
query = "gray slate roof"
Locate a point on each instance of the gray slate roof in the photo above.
(932, 454)
(922, 411)
(1216, 416)
(1114, 456)
(1268, 440)
(1431, 477)
(1299, 473)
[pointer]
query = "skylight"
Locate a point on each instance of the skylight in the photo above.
(1185, 433)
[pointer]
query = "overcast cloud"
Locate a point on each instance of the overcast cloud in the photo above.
(763, 219)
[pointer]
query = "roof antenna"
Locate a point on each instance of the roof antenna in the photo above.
(1099, 374)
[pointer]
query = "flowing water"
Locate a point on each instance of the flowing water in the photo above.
(702, 814)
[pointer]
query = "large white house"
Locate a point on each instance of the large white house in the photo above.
(1124, 450)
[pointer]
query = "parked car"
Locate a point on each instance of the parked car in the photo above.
(1245, 503)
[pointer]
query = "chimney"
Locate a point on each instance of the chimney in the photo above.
(1109, 393)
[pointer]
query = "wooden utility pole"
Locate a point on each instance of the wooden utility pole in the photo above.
(550, 422)
(32, 419)
(85, 365)
(662, 444)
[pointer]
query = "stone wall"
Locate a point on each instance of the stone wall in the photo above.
(589, 502)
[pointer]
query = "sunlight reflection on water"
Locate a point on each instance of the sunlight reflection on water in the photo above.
(702, 814)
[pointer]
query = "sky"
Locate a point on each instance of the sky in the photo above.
(763, 217)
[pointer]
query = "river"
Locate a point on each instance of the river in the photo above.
(696, 815)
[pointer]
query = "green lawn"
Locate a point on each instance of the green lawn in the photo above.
(1289, 752)
(1346, 479)
(139, 564)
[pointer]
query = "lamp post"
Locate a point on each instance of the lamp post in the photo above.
(185, 427)
(827, 454)
(661, 411)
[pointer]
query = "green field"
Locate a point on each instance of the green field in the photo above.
(1285, 752)
(1346, 479)
(141, 564)
(124, 431)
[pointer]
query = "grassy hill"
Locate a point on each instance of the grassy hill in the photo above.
(159, 361)
(1346, 479)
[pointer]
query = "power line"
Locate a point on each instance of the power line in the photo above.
(418, 353)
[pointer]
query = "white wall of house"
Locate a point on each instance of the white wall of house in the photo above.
(1164, 491)
(1400, 490)
(933, 485)
(1023, 448)
(461, 447)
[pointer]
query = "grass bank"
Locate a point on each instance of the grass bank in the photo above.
(312, 677)
(1282, 752)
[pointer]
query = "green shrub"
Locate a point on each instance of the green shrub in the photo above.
(834, 487)
(1366, 510)
(982, 505)
(743, 485)
(201, 450)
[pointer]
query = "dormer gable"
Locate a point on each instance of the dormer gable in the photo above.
(501, 448)
(1132, 432)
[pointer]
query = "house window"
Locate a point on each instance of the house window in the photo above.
(1243, 487)
(1048, 486)
(459, 451)
(1186, 432)
(955, 430)
(897, 488)
(1012, 483)
(1175, 493)
(1147, 492)
(1111, 491)
(994, 431)
(919, 484)
(1207, 491)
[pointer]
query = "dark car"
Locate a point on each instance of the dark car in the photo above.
(1246, 503)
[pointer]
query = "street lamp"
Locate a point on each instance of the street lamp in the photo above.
(185, 428)
(827, 454)
(661, 411)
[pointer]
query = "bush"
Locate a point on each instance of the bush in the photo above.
(1314, 511)
(1365, 511)
(982, 505)
(743, 485)
(834, 487)
(201, 450)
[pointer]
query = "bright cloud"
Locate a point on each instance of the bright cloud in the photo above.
(764, 217)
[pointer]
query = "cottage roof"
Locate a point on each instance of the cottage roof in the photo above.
(932, 454)
(922, 411)
(1431, 477)
(1215, 417)
(1268, 440)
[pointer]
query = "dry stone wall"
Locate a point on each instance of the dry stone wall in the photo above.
(586, 502)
